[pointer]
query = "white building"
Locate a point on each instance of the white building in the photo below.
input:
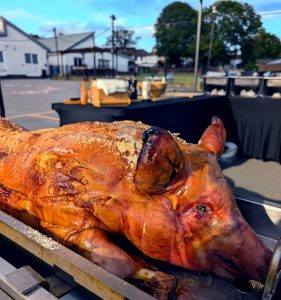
(145, 60)
(71, 52)
(61, 62)
(20, 54)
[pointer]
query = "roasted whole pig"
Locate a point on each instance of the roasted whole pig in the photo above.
(87, 181)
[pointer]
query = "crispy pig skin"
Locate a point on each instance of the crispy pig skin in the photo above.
(87, 181)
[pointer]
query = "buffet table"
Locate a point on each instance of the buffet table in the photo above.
(253, 124)
(189, 117)
(258, 126)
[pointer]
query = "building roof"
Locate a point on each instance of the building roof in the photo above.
(138, 52)
(65, 41)
(98, 50)
(271, 65)
(275, 61)
(6, 22)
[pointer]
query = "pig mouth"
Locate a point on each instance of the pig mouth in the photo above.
(228, 268)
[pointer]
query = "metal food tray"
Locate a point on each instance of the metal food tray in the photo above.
(264, 217)
(221, 81)
(247, 81)
(273, 81)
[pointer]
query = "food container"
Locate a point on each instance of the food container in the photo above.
(272, 87)
(245, 86)
(216, 85)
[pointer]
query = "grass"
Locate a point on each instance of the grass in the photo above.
(180, 80)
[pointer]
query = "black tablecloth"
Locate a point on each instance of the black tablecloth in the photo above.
(189, 117)
(253, 124)
(258, 125)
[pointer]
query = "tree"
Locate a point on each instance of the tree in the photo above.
(123, 38)
(175, 30)
(36, 36)
(267, 45)
(236, 25)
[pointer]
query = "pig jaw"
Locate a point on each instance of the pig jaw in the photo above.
(241, 256)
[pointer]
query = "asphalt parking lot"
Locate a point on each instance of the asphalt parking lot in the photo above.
(28, 101)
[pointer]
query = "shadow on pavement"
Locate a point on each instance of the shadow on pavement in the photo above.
(245, 193)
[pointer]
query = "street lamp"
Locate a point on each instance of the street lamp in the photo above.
(57, 49)
(113, 18)
(214, 11)
(197, 45)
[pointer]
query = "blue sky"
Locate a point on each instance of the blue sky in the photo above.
(71, 16)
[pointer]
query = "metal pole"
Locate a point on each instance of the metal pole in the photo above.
(211, 37)
(116, 73)
(197, 45)
(94, 54)
(57, 47)
(2, 107)
(113, 18)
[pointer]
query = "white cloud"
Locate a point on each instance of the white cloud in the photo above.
(120, 22)
(144, 31)
(18, 13)
(66, 26)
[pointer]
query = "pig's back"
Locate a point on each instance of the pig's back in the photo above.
(109, 150)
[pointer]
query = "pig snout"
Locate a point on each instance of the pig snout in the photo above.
(242, 256)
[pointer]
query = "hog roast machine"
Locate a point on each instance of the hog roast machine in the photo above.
(36, 267)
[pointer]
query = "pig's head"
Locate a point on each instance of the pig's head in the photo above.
(192, 219)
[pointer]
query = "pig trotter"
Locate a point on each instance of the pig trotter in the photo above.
(160, 284)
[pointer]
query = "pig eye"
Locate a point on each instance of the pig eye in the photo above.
(202, 208)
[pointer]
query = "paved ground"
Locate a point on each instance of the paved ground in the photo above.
(28, 103)
(256, 179)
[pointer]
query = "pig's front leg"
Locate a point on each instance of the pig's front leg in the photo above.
(95, 245)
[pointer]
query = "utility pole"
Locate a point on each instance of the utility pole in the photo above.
(214, 11)
(113, 18)
(94, 54)
(2, 107)
(57, 48)
(197, 45)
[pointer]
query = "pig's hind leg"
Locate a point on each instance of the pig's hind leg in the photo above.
(95, 245)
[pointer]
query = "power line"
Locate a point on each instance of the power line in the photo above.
(103, 32)
(270, 13)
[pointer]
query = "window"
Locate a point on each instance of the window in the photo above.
(27, 58)
(77, 61)
(31, 58)
(103, 64)
(1, 57)
(35, 59)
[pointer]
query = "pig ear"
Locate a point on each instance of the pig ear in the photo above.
(159, 161)
(213, 139)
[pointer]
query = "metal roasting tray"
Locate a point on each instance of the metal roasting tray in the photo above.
(273, 81)
(247, 81)
(221, 81)
(263, 216)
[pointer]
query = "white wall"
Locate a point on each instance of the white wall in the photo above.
(88, 59)
(122, 62)
(67, 59)
(147, 61)
(88, 43)
(14, 46)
